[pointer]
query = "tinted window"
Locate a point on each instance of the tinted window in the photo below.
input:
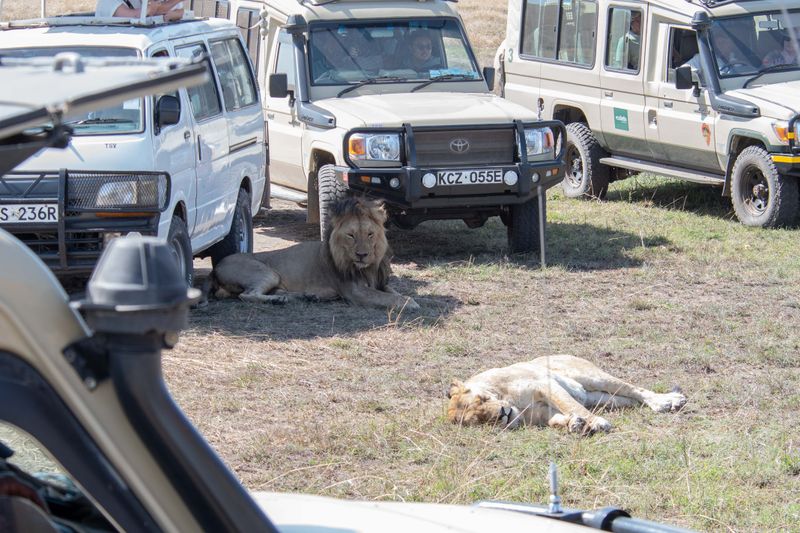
(235, 77)
(204, 98)
(562, 30)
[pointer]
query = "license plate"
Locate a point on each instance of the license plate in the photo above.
(28, 213)
(469, 177)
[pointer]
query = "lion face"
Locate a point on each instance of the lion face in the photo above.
(357, 237)
(471, 408)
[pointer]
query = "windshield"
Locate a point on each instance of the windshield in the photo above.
(124, 118)
(748, 44)
(345, 53)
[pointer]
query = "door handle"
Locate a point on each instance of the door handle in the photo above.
(271, 116)
(668, 104)
(608, 94)
(186, 135)
(199, 149)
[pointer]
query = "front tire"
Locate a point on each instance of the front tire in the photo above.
(239, 239)
(523, 226)
(761, 196)
(181, 247)
(585, 176)
(331, 190)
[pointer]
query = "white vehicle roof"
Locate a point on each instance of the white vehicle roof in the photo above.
(312, 10)
(70, 31)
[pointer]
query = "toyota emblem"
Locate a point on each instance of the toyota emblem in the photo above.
(459, 145)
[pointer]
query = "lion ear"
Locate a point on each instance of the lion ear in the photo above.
(379, 211)
(456, 387)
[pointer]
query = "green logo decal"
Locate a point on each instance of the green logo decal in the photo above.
(621, 119)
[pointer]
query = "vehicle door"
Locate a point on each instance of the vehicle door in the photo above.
(522, 60)
(685, 120)
(285, 130)
(245, 119)
(211, 156)
(174, 148)
(622, 98)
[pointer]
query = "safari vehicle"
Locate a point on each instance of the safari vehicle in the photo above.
(188, 166)
(352, 110)
(702, 90)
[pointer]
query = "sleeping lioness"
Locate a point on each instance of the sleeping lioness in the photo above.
(352, 262)
(529, 393)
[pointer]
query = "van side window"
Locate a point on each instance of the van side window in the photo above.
(247, 21)
(563, 31)
(623, 45)
(285, 60)
(204, 98)
(235, 76)
(209, 8)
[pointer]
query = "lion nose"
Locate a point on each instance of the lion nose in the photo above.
(361, 255)
(504, 414)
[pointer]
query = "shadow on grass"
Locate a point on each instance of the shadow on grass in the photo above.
(308, 320)
(674, 195)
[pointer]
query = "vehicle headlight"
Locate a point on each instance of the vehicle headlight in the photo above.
(117, 194)
(783, 132)
(539, 141)
(99, 190)
(374, 147)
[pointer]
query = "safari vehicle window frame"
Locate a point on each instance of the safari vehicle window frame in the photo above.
(47, 419)
(609, 49)
(213, 75)
(137, 53)
(284, 43)
(250, 74)
(251, 33)
(391, 21)
(672, 31)
(554, 60)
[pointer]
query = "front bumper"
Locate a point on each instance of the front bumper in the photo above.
(787, 164)
(72, 241)
(411, 194)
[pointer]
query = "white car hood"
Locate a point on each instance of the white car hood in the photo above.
(102, 152)
(778, 100)
(302, 513)
(423, 108)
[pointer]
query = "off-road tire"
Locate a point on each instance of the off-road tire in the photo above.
(522, 224)
(585, 176)
(181, 247)
(761, 196)
(240, 237)
(331, 190)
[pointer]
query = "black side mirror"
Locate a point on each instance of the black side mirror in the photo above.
(683, 77)
(488, 75)
(168, 111)
(278, 85)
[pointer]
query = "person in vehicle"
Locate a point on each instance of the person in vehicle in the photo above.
(133, 8)
(787, 55)
(633, 40)
(725, 51)
(421, 56)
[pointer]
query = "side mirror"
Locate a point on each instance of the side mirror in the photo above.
(278, 85)
(683, 77)
(168, 111)
(488, 75)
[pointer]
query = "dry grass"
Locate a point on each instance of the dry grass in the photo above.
(659, 285)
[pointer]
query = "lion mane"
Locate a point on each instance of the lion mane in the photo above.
(353, 262)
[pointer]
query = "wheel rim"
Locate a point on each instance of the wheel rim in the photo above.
(179, 256)
(242, 236)
(754, 191)
(574, 171)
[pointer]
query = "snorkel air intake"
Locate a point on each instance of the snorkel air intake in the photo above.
(137, 303)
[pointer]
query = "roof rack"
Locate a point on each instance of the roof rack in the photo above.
(716, 3)
(88, 19)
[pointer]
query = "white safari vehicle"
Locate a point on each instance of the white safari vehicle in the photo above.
(188, 166)
(385, 98)
(703, 90)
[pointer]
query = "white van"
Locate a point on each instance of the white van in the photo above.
(188, 166)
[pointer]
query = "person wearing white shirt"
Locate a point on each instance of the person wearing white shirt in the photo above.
(133, 8)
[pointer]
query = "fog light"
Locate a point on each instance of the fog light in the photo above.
(394, 183)
(429, 180)
(510, 177)
(535, 177)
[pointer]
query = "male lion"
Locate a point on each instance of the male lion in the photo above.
(529, 393)
(352, 262)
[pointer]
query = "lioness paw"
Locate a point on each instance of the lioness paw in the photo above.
(598, 423)
(664, 403)
(576, 424)
(411, 305)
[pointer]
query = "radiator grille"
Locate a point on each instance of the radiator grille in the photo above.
(483, 147)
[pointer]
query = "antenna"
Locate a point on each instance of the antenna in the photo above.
(44, 8)
(555, 500)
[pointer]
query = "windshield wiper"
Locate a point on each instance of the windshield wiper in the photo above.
(442, 77)
(771, 68)
(102, 121)
(369, 81)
